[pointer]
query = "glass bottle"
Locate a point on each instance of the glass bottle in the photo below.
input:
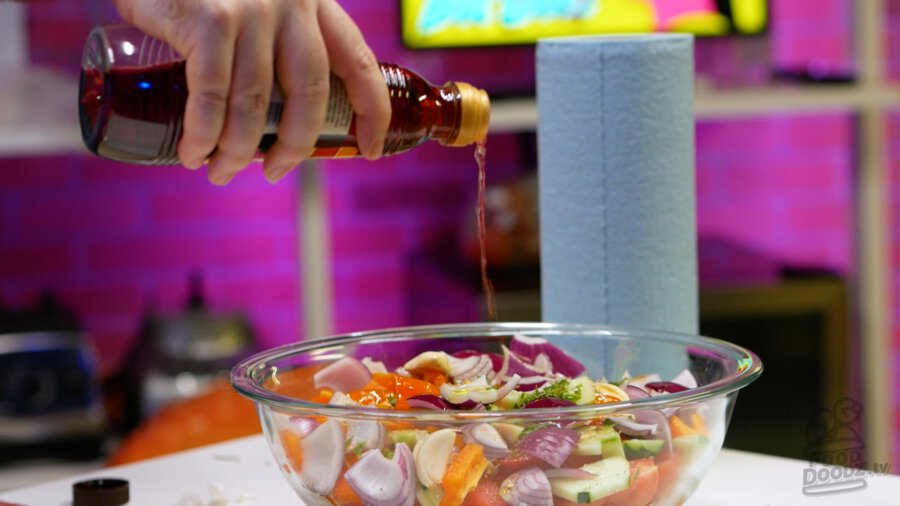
(133, 92)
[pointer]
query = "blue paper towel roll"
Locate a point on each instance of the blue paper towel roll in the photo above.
(616, 181)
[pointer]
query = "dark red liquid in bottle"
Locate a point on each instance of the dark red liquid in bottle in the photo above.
(135, 114)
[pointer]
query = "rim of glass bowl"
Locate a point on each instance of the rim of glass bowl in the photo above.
(244, 375)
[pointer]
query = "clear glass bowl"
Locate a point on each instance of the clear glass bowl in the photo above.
(279, 381)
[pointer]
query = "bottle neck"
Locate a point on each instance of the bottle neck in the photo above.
(464, 114)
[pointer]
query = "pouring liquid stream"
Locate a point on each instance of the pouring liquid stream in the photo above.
(480, 211)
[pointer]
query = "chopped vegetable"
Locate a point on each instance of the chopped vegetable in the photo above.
(323, 457)
(463, 474)
(382, 482)
(486, 435)
(531, 347)
(679, 428)
(529, 487)
(344, 375)
(558, 389)
(621, 459)
(550, 444)
(432, 455)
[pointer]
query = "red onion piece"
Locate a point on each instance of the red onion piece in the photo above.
(632, 428)
(528, 487)
(553, 445)
(488, 437)
(323, 457)
(648, 417)
(531, 383)
(469, 405)
(569, 473)
(302, 426)
(685, 379)
(529, 348)
(664, 387)
(513, 364)
(365, 434)
(636, 392)
(549, 402)
(382, 482)
(641, 381)
(345, 375)
(428, 401)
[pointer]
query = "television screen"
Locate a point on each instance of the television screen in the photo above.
(468, 23)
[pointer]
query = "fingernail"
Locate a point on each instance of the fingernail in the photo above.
(376, 150)
(220, 179)
(275, 173)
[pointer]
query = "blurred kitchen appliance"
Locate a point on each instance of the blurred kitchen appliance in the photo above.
(179, 356)
(50, 402)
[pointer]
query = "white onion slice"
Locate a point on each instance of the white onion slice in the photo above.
(478, 390)
(382, 482)
(488, 437)
(344, 375)
(632, 428)
(374, 366)
(323, 457)
(432, 454)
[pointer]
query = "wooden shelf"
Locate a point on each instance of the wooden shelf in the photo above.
(517, 115)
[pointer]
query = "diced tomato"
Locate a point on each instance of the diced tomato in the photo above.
(643, 485)
(487, 493)
(669, 472)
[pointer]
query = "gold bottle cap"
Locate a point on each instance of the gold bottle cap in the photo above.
(475, 115)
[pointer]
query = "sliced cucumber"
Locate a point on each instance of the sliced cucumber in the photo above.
(640, 448)
(408, 436)
(582, 390)
(599, 440)
(510, 400)
(611, 476)
(690, 446)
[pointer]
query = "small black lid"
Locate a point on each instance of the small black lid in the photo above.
(100, 492)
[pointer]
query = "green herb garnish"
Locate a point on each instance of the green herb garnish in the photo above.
(558, 389)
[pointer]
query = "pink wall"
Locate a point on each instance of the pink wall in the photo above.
(114, 241)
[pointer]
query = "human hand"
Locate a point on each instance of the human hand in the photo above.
(235, 49)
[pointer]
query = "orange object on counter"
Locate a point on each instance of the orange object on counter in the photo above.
(219, 415)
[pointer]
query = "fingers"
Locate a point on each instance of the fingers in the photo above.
(248, 100)
(234, 49)
(302, 70)
(204, 33)
(353, 61)
(208, 72)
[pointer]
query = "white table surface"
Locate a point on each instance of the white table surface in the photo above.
(242, 472)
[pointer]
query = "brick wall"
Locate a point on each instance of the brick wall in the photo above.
(115, 241)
